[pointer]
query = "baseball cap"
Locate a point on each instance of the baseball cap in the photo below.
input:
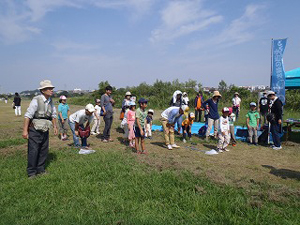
(192, 115)
(151, 111)
(225, 109)
(271, 93)
(90, 108)
(128, 93)
(62, 97)
(131, 103)
(142, 100)
(98, 100)
(253, 104)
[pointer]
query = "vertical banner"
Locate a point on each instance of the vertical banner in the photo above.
(277, 73)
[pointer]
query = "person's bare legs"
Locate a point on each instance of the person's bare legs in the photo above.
(143, 144)
(137, 143)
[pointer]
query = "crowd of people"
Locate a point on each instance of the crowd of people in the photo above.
(136, 121)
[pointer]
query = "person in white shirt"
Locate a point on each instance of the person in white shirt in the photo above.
(224, 131)
(236, 105)
(95, 128)
(77, 121)
(185, 99)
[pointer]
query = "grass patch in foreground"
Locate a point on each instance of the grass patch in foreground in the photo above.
(12, 142)
(112, 187)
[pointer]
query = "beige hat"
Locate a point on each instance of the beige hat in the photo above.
(45, 84)
(185, 108)
(271, 93)
(128, 93)
(217, 94)
(236, 93)
(90, 108)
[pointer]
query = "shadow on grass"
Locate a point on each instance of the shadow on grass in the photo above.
(51, 158)
(211, 146)
(283, 173)
(120, 130)
(160, 144)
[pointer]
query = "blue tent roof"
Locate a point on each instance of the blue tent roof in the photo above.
(292, 79)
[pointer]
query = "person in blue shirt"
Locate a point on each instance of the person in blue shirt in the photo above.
(63, 115)
(213, 115)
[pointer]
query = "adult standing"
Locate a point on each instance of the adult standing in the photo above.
(213, 115)
(236, 104)
(168, 119)
(40, 116)
(17, 104)
(263, 106)
(275, 118)
(107, 107)
(198, 102)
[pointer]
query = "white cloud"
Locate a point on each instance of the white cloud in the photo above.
(238, 31)
(182, 18)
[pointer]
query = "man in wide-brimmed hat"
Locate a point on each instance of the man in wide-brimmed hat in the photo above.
(275, 118)
(40, 116)
(236, 104)
(213, 115)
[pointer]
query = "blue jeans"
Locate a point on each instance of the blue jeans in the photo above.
(275, 134)
(76, 138)
(179, 122)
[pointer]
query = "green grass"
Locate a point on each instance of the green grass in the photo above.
(113, 188)
(11, 142)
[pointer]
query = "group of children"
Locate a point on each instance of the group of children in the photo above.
(136, 123)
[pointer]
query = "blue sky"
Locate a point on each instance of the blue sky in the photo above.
(78, 43)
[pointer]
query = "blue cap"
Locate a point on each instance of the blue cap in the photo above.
(131, 103)
(142, 100)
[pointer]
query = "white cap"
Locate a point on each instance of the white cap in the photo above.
(131, 103)
(151, 111)
(253, 104)
(192, 115)
(62, 97)
(98, 100)
(128, 93)
(45, 84)
(225, 109)
(90, 108)
(271, 93)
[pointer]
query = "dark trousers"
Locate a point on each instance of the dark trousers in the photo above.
(236, 111)
(108, 122)
(275, 129)
(38, 146)
(187, 132)
(198, 113)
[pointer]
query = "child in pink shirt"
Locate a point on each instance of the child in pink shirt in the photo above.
(130, 121)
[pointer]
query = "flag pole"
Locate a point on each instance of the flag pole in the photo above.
(269, 124)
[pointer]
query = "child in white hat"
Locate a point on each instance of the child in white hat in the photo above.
(252, 123)
(63, 114)
(187, 126)
(148, 128)
(224, 131)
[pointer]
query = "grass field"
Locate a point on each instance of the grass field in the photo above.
(248, 185)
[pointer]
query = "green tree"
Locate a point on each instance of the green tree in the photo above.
(222, 86)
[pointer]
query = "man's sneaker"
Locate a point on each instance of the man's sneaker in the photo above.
(175, 146)
(170, 147)
(184, 141)
(226, 150)
(277, 148)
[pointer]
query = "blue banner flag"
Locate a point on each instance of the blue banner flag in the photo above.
(277, 73)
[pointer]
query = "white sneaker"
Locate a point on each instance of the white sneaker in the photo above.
(98, 132)
(220, 150)
(93, 133)
(226, 150)
(170, 147)
(277, 148)
(184, 141)
(175, 146)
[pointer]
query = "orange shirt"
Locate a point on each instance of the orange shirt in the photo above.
(187, 122)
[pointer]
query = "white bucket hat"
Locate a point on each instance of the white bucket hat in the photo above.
(128, 93)
(45, 84)
(151, 111)
(90, 108)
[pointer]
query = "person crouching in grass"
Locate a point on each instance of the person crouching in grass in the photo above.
(77, 121)
(224, 131)
(187, 126)
(252, 123)
(139, 126)
(63, 114)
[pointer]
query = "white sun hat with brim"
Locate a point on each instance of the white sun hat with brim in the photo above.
(128, 93)
(90, 108)
(45, 84)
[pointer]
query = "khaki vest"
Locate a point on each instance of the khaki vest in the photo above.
(42, 117)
